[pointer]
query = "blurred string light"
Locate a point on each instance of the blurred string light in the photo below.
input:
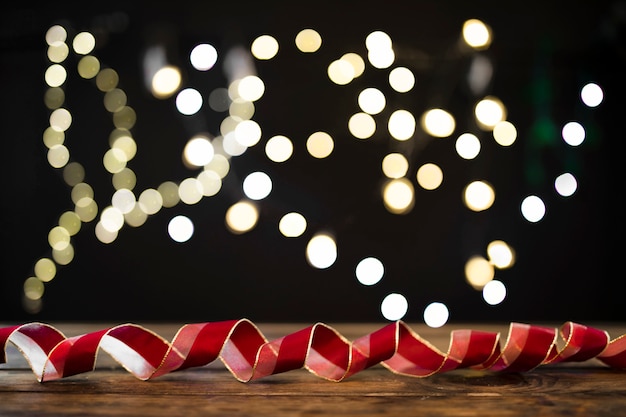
(238, 132)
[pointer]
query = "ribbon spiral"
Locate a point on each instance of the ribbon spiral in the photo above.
(319, 348)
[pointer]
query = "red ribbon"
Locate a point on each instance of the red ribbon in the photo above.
(319, 348)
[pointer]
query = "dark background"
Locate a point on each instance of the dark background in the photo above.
(569, 265)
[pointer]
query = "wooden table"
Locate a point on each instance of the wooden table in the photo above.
(572, 389)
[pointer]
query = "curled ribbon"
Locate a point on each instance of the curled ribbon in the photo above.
(319, 348)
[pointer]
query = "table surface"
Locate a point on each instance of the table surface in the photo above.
(574, 389)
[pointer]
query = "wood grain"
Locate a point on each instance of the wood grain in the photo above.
(580, 389)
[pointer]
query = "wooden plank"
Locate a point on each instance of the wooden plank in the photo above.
(584, 389)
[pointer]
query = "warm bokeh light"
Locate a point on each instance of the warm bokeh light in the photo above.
(478, 272)
(438, 123)
(45, 269)
(190, 191)
(320, 145)
(505, 133)
(210, 182)
(321, 251)
(251, 88)
(489, 112)
(150, 201)
(467, 146)
(55, 35)
(401, 79)
(362, 125)
(292, 225)
(340, 72)
(88, 67)
(401, 125)
(429, 176)
(479, 196)
(357, 63)
(371, 100)
(476, 34)
(394, 306)
(279, 148)
(241, 217)
(111, 219)
(83, 43)
(248, 133)
(60, 119)
(264, 47)
(399, 196)
(168, 196)
(166, 81)
(436, 314)
(395, 165)
(124, 200)
(198, 151)
(500, 254)
(308, 40)
(55, 75)
(369, 271)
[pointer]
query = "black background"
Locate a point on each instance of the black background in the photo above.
(569, 265)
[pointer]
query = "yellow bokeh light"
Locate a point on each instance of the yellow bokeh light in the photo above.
(55, 75)
(357, 63)
(83, 43)
(476, 34)
(114, 100)
(320, 145)
(88, 67)
(166, 81)
(479, 195)
(401, 125)
(292, 224)
(73, 173)
(33, 288)
(438, 123)
(55, 34)
(70, 221)
(478, 271)
(241, 217)
(321, 251)
(395, 165)
(279, 148)
(362, 125)
(500, 254)
(107, 79)
(58, 156)
(58, 52)
(114, 160)
(505, 133)
(399, 196)
(429, 176)
(45, 269)
(168, 192)
(264, 47)
(58, 238)
(489, 112)
(341, 72)
(60, 119)
(150, 201)
(125, 178)
(308, 40)
(63, 256)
